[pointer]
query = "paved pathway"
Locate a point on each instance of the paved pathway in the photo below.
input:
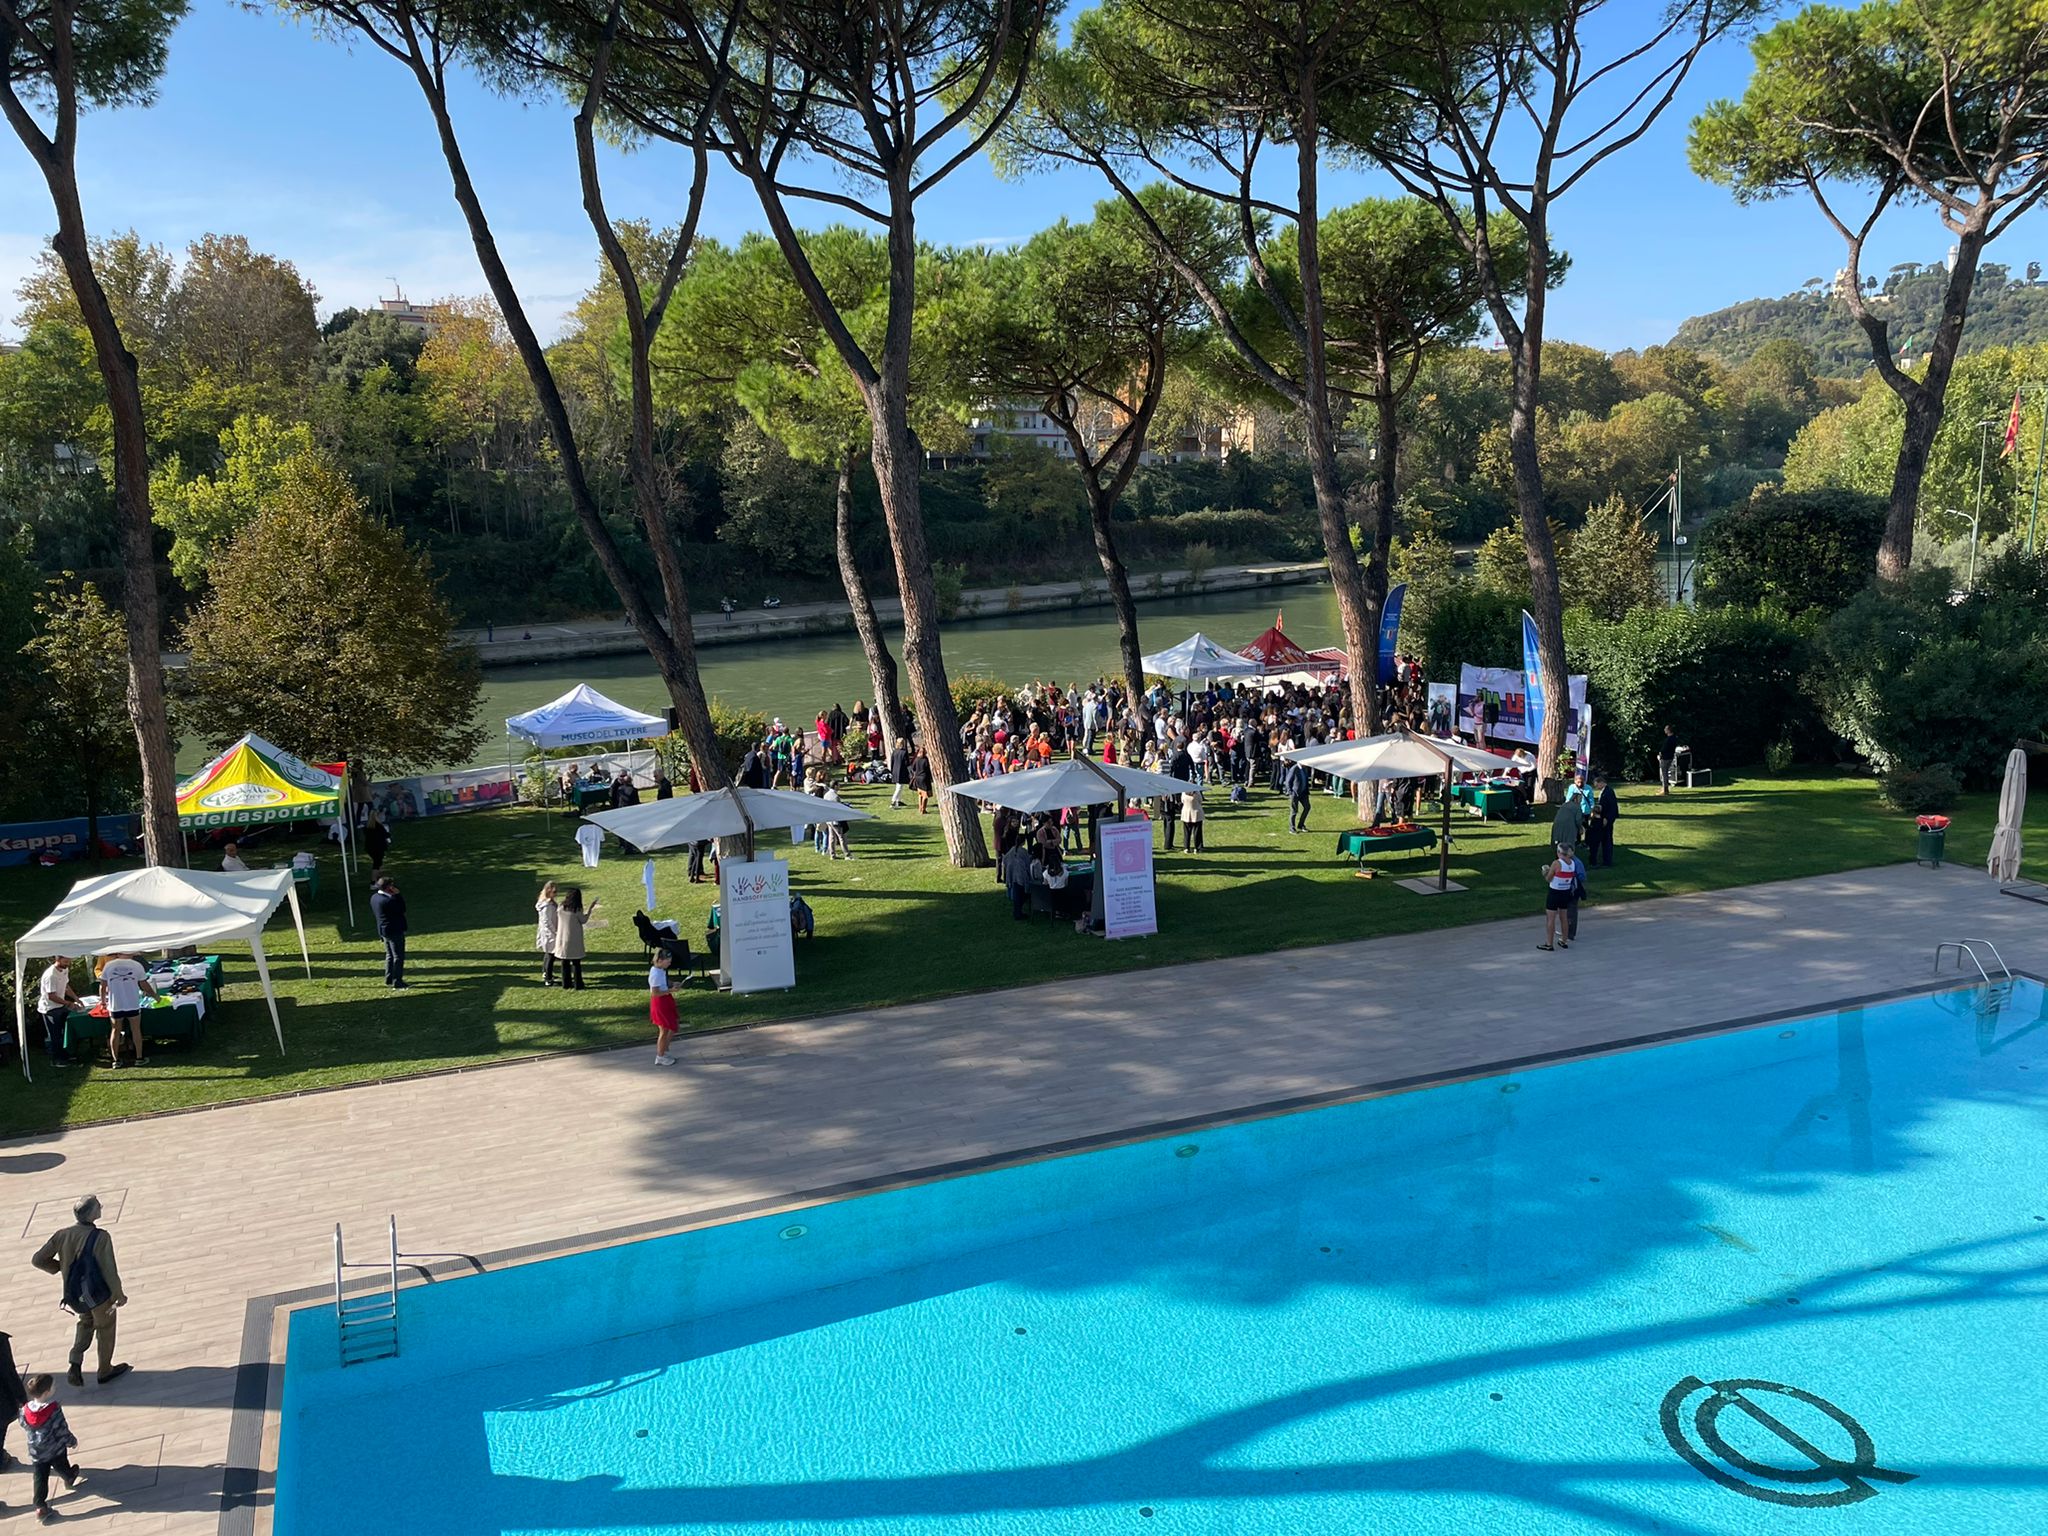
(218, 1206)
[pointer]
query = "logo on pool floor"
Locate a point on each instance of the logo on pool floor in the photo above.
(1814, 1476)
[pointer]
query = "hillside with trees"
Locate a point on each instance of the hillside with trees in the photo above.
(2007, 310)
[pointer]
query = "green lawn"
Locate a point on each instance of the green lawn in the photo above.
(894, 925)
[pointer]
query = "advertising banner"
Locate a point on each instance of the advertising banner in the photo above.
(438, 794)
(1390, 631)
(754, 943)
(1504, 686)
(1532, 682)
(21, 841)
(1128, 908)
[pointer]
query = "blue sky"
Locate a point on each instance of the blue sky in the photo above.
(326, 157)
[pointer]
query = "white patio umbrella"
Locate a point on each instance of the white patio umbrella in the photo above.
(719, 813)
(1068, 785)
(1200, 659)
(2004, 862)
(1402, 755)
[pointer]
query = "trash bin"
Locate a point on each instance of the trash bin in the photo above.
(1932, 841)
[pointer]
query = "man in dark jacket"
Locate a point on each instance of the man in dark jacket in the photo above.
(1600, 826)
(388, 907)
(83, 1255)
(1296, 783)
(899, 772)
(1180, 764)
(376, 843)
(12, 1396)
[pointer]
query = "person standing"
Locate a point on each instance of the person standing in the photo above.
(1600, 829)
(570, 918)
(50, 1441)
(664, 786)
(122, 983)
(921, 780)
(387, 906)
(83, 1257)
(54, 1001)
(1297, 797)
(1667, 758)
(376, 843)
(1191, 817)
(1017, 875)
(1560, 880)
(661, 1007)
(899, 772)
(545, 913)
(13, 1398)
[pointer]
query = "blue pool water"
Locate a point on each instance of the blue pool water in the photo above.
(1520, 1304)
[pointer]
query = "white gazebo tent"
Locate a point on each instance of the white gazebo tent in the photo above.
(160, 908)
(1402, 755)
(582, 717)
(1198, 659)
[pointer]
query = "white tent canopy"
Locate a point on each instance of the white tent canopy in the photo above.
(1200, 659)
(2006, 848)
(1064, 786)
(583, 715)
(1399, 755)
(701, 818)
(137, 910)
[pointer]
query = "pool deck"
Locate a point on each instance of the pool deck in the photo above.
(216, 1207)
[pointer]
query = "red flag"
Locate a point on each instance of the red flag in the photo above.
(1280, 619)
(2012, 426)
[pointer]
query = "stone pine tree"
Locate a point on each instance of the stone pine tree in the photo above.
(1237, 101)
(325, 633)
(1939, 104)
(869, 111)
(55, 60)
(81, 652)
(740, 329)
(1087, 322)
(545, 51)
(1504, 109)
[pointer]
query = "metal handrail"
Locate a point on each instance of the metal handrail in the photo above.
(378, 1308)
(1968, 947)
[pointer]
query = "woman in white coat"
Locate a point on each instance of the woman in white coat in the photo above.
(546, 913)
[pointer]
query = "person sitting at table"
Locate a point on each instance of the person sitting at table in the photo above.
(231, 860)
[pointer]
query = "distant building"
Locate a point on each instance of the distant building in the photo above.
(424, 318)
(1001, 422)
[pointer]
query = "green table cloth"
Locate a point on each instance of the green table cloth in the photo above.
(162, 1019)
(1361, 845)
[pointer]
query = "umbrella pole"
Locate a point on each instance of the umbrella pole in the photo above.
(1443, 857)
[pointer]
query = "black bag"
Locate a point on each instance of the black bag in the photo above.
(85, 1287)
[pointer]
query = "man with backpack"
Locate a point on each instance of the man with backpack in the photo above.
(84, 1256)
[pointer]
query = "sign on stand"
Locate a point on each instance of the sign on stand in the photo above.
(754, 940)
(1125, 870)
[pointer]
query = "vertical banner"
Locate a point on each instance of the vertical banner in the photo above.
(1390, 631)
(754, 939)
(1125, 872)
(1532, 679)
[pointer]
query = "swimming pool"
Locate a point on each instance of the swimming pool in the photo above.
(1706, 1287)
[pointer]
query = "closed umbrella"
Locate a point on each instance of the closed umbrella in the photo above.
(2004, 862)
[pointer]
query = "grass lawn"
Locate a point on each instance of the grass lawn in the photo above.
(895, 924)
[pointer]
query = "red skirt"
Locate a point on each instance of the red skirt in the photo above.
(661, 1008)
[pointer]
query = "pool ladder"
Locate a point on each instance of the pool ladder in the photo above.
(1968, 947)
(367, 1321)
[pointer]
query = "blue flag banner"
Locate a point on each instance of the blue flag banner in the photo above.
(1390, 631)
(1532, 678)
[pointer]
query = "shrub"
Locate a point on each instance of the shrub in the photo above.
(1919, 791)
(736, 730)
(1797, 550)
(973, 689)
(1733, 682)
(1780, 755)
(1199, 559)
(1916, 677)
(949, 581)
(1469, 624)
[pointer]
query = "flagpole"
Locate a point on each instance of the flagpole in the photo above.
(2040, 455)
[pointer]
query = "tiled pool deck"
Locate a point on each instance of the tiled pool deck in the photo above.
(218, 1207)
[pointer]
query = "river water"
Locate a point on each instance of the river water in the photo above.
(796, 678)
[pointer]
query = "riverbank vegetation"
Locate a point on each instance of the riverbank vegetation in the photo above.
(894, 924)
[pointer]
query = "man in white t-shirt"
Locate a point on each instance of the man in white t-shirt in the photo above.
(122, 983)
(231, 860)
(54, 1001)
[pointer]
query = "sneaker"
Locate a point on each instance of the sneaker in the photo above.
(45, 1514)
(73, 1480)
(664, 1061)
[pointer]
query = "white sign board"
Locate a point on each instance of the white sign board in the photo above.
(1125, 870)
(754, 940)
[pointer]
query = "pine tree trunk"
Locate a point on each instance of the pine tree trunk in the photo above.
(1546, 602)
(140, 604)
(881, 665)
(1101, 507)
(1924, 406)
